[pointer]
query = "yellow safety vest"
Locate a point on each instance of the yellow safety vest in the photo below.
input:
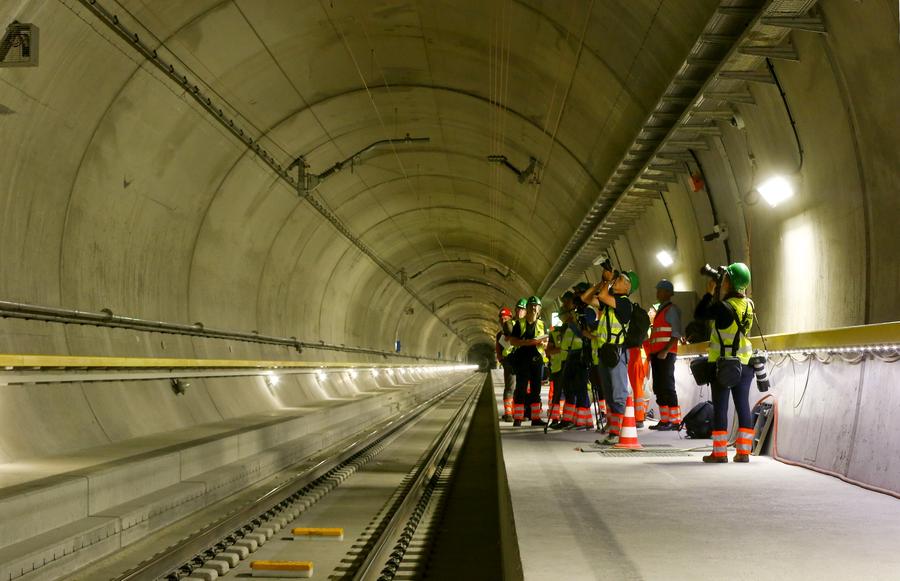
(522, 326)
(743, 308)
(567, 341)
(616, 333)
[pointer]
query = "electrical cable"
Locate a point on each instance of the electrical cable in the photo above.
(712, 204)
(787, 109)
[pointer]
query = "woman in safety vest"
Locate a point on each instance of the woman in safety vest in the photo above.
(732, 316)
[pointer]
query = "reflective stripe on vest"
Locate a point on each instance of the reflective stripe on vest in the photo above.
(616, 330)
(661, 332)
(745, 347)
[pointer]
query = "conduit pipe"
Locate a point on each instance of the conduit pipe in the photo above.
(106, 318)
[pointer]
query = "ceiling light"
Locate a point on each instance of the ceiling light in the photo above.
(665, 258)
(776, 190)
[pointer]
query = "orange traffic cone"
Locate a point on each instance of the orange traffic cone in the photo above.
(628, 438)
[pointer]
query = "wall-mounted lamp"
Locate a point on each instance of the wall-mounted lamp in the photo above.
(271, 379)
(775, 190)
(665, 258)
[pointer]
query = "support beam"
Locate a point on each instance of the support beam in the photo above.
(809, 23)
(751, 76)
(787, 53)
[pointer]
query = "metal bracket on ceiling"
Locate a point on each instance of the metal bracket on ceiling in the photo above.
(307, 182)
(808, 22)
(529, 174)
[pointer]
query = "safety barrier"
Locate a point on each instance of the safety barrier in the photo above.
(836, 401)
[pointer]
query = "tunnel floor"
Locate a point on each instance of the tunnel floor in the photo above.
(583, 515)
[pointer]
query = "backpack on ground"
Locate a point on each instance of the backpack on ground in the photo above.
(698, 421)
(638, 327)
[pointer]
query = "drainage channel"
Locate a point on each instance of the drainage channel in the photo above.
(226, 546)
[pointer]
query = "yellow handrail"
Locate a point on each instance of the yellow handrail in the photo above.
(877, 334)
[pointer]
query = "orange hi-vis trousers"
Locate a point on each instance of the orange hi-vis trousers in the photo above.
(638, 366)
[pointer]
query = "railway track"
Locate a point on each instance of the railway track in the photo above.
(384, 485)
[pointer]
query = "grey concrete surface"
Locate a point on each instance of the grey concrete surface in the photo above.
(60, 513)
(583, 516)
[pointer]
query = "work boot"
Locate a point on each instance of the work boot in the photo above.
(538, 422)
(710, 459)
(517, 423)
(506, 418)
(666, 427)
(658, 425)
(609, 440)
(741, 458)
(639, 424)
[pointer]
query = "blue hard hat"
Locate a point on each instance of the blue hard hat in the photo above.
(666, 285)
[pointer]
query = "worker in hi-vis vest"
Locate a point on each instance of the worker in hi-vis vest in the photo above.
(665, 331)
(727, 305)
(504, 349)
(556, 357)
(529, 339)
(610, 295)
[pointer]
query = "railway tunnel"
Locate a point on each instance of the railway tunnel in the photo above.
(253, 252)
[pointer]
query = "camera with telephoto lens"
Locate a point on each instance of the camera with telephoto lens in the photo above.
(758, 363)
(606, 265)
(717, 273)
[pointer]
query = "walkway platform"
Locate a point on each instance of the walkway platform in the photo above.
(661, 514)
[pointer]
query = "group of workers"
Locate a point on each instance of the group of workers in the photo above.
(588, 360)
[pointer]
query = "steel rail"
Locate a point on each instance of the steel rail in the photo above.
(380, 553)
(168, 563)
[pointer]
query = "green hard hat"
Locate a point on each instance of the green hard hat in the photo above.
(635, 281)
(534, 301)
(739, 275)
(523, 302)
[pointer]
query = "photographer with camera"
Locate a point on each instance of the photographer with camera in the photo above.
(610, 297)
(572, 376)
(727, 305)
(529, 340)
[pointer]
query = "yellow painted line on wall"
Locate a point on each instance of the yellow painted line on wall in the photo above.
(878, 334)
(82, 362)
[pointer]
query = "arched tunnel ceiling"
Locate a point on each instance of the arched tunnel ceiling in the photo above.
(519, 78)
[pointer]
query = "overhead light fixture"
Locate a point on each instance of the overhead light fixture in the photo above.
(271, 379)
(321, 375)
(665, 258)
(776, 190)
(353, 374)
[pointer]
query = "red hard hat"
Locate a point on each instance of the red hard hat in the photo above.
(504, 312)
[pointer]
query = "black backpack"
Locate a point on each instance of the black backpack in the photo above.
(698, 421)
(638, 327)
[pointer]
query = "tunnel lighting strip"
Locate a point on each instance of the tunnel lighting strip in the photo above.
(855, 349)
(193, 89)
(12, 376)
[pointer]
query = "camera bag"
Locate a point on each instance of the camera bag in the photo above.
(703, 371)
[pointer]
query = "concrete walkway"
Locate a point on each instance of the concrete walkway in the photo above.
(581, 515)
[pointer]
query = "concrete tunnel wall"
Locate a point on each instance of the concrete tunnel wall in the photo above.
(120, 193)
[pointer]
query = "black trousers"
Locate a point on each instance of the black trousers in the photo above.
(528, 373)
(740, 393)
(663, 371)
